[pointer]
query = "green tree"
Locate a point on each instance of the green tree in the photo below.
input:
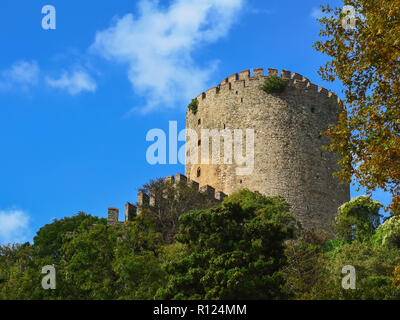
(96, 261)
(50, 238)
(357, 219)
(137, 261)
(388, 233)
(87, 263)
(235, 250)
(374, 266)
(306, 260)
(365, 244)
(114, 261)
(20, 273)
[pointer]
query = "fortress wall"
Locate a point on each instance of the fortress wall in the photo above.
(147, 201)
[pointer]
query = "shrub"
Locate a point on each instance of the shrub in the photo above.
(274, 84)
(193, 106)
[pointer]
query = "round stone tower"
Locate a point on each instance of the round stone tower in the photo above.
(288, 137)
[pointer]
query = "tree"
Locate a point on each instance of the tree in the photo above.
(388, 233)
(306, 260)
(20, 273)
(370, 247)
(137, 261)
(21, 265)
(235, 251)
(86, 263)
(357, 219)
(50, 238)
(367, 61)
(95, 261)
(373, 265)
(114, 261)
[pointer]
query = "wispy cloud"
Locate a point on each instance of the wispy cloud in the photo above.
(14, 226)
(158, 44)
(73, 82)
(21, 75)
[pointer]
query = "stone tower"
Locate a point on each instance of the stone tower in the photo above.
(288, 139)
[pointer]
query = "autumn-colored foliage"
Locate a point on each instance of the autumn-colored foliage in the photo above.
(396, 276)
(367, 61)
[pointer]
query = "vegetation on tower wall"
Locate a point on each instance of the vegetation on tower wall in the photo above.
(274, 84)
(193, 106)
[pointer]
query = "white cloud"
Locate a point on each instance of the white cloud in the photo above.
(24, 74)
(21, 74)
(158, 45)
(316, 13)
(74, 82)
(14, 226)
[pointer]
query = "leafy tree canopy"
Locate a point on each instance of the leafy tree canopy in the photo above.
(235, 250)
(357, 219)
(367, 61)
(49, 239)
(388, 233)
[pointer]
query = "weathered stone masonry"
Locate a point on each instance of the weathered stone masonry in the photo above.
(146, 201)
(289, 159)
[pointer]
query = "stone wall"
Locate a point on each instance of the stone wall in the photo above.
(289, 126)
(145, 201)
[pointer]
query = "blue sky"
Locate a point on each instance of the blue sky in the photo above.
(76, 102)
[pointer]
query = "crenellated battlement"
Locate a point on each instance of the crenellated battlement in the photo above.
(246, 78)
(145, 201)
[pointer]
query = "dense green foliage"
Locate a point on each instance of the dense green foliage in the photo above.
(374, 271)
(97, 262)
(248, 247)
(388, 233)
(315, 267)
(236, 250)
(49, 239)
(193, 105)
(357, 219)
(274, 84)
